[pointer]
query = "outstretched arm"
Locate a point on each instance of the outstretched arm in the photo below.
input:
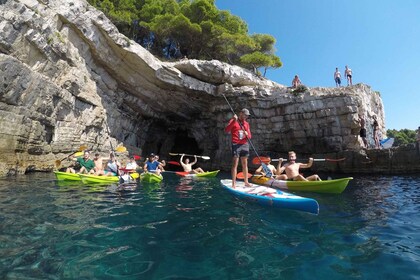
(308, 165)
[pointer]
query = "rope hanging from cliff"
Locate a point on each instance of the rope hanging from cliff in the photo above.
(264, 166)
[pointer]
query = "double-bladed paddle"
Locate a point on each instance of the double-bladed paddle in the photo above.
(266, 160)
(203, 157)
(78, 153)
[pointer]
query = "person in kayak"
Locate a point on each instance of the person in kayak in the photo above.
(271, 167)
(240, 132)
(86, 164)
(112, 166)
(152, 165)
(292, 169)
(162, 163)
(99, 167)
(188, 166)
(132, 164)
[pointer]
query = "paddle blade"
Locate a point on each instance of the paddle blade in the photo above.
(136, 157)
(258, 160)
(174, 154)
(334, 160)
(205, 157)
(241, 175)
(82, 148)
(78, 154)
(174, 163)
(57, 163)
(121, 149)
(135, 175)
(267, 171)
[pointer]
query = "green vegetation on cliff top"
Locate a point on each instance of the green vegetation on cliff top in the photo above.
(403, 136)
(195, 29)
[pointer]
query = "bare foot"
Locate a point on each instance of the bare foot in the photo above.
(247, 185)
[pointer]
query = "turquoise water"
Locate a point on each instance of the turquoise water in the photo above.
(193, 229)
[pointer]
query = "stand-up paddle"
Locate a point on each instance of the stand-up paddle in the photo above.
(264, 166)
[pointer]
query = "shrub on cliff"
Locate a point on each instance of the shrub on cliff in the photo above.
(196, 29)
(403, 136)
(299, 89)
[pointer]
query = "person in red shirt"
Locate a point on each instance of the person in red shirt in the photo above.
(240, 132)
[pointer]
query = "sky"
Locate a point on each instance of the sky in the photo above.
(378, 39)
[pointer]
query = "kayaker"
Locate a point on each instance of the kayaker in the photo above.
(188, 166)
(99, 166)
(240, 132)
(162, 163)
(132, 164)
(152, 165)
(86, 164)
(292, 169)
(112, 166)
(271, 167)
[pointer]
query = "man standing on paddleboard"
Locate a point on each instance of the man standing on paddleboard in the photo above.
(240, 132)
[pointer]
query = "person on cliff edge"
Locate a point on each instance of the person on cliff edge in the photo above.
(337, 77)
(240, 132)
(349, 76)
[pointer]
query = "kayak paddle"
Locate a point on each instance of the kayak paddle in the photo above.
(78, 153)
(203, 157)
(266, 160)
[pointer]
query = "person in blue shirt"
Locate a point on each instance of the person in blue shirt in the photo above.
(152, 165)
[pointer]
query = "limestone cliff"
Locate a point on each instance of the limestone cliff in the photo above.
(69, 78)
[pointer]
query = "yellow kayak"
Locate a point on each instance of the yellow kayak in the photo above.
(328, 186)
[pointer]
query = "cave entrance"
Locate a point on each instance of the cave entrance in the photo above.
(184, 144)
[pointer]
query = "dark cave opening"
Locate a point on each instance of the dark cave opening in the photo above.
(184, 144)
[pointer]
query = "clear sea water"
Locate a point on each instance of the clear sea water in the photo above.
(194, 229)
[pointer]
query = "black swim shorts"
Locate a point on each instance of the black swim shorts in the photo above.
(240, 150)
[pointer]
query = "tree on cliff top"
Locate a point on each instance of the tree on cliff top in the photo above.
(195, 29)
(403, 136)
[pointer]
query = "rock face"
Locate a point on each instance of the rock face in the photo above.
(69, 78)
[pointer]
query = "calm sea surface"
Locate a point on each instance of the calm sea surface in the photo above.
(194, 229)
